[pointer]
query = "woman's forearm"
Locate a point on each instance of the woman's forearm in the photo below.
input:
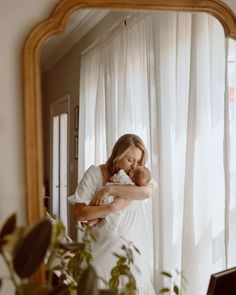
(84, 212)
(131, 192)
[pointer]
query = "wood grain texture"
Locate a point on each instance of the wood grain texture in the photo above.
(32, 84)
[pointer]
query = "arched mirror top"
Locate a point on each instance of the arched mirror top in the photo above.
(57, 21)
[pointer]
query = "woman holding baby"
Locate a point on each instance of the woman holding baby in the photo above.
(123, 218)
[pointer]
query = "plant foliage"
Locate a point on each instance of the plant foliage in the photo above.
(68, 264)
(174, 279)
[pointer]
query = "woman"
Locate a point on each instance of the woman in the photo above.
(128, 153)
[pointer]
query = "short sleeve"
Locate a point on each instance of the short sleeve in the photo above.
(87, 187)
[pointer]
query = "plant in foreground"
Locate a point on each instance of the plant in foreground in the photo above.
(68, 264)
(174, 282)
(123, 268)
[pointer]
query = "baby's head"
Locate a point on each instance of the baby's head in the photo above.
(140, 175)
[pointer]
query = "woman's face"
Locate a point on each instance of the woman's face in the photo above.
(131, 160)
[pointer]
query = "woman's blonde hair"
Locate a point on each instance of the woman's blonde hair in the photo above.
(122, 147)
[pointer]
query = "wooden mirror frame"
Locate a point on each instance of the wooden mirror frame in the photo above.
(32, 83)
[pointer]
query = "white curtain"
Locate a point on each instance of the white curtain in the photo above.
(162, 76)
(231, 204)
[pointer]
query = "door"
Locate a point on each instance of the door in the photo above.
(59, 159)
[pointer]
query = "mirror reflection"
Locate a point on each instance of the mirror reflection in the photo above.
(168, 77)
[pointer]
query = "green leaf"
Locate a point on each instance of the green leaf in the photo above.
(130, 286)
(92, 237)
(167, 274)
(31, 250)
(137, 250)
(115, 271)
(124, 270)
(8, 226)
(176, 289)
(118, 256)
(71, 246)
(114, 283)
(164, 290)
(122, 260)
(88, 256)
(88, 282)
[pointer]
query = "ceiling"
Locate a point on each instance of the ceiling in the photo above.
(78, 24)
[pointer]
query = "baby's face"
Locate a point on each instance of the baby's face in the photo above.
(131, 173)
(140, 176)
(134, 174)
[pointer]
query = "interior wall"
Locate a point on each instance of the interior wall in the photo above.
(231, 4)
(17, 18)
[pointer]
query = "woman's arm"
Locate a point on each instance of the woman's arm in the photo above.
(130, 192)
(84, 212)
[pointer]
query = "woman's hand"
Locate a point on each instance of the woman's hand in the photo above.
(77, 209)
(91, 222)
(98, 199)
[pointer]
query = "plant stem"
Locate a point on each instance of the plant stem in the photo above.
(10, 269)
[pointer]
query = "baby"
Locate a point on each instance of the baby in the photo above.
(140, 176)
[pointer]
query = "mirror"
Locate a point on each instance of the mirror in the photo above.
(33, 94)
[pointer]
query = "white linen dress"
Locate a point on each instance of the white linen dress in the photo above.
(109, 238)
(113, 220)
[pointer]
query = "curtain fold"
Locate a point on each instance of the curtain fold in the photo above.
(161, 75)
(203, 223)
(231, 221)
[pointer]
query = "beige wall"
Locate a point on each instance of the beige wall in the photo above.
(231, 4)
(17, 18)
(16, 21)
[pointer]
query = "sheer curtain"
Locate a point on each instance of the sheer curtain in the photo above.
(231, 217)
(162, 76)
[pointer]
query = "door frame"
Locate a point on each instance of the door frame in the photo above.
(56, 108)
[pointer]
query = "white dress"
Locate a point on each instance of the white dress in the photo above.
(112, 220)
(132, 227)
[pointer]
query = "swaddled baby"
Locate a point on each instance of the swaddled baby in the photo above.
(140, 176)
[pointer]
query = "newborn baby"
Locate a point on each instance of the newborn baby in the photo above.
(140, 176)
